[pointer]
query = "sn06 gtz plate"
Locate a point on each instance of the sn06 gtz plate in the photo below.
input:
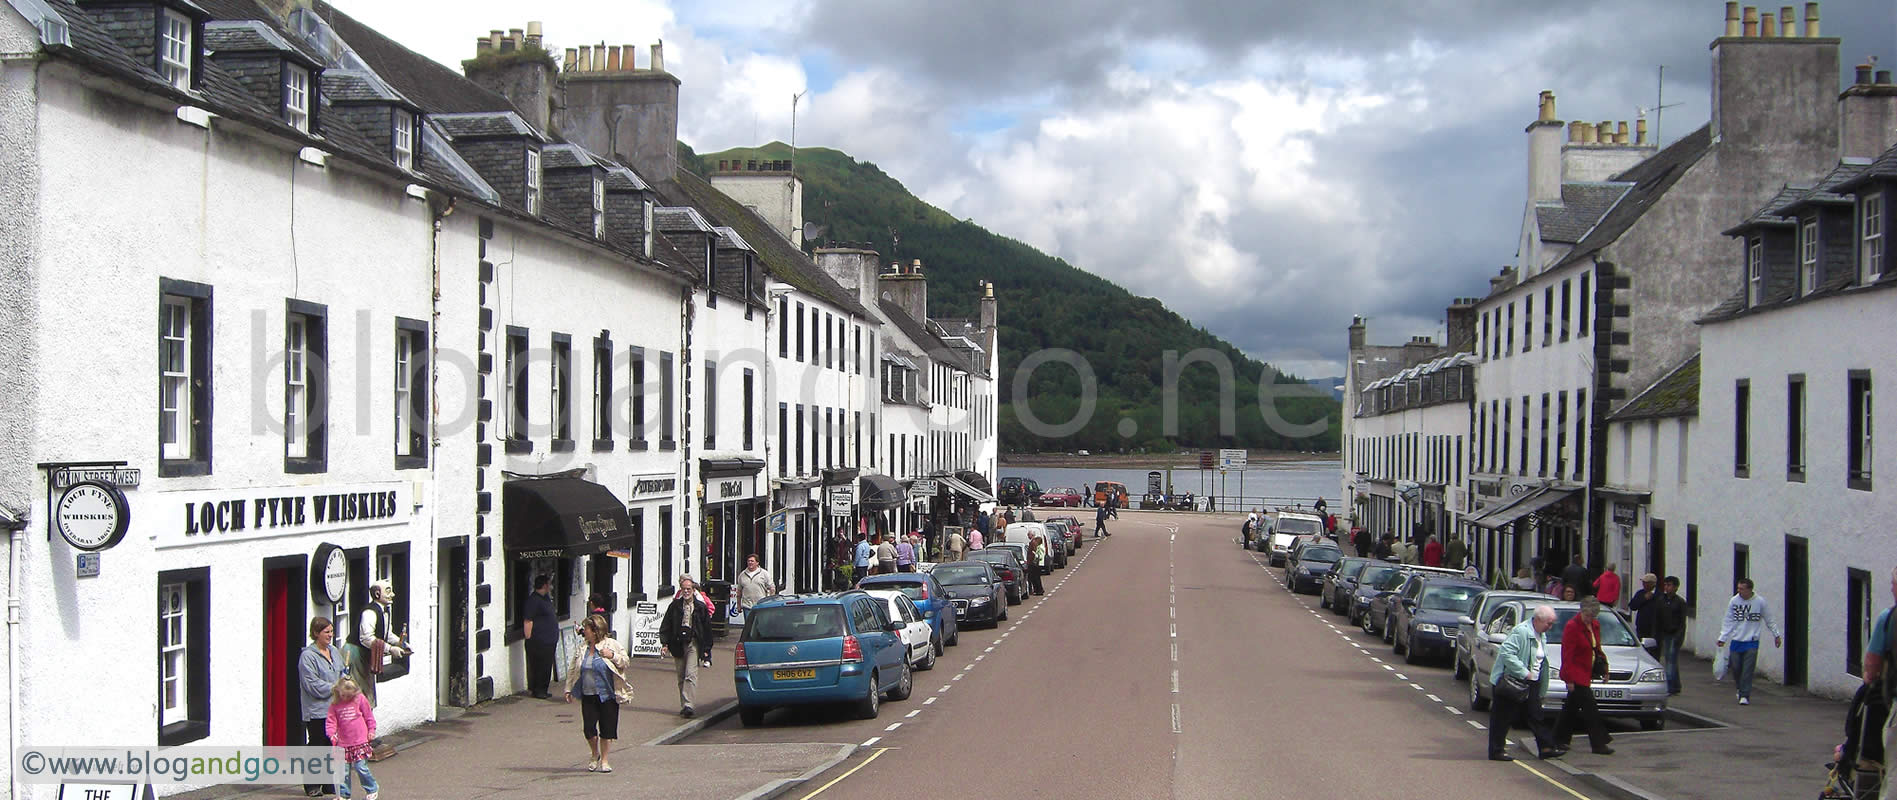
(793, 674)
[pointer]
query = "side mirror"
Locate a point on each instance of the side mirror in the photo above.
(894, 626)
(1497, 638)
(1464, 620)
(1650, 643)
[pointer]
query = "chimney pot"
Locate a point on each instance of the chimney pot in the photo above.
(1620, 132)
(1547, 106)
(1768, 25)
(631, 54)
(1864, 74)
(1751, 26)
(481, 45)
(494, 38)
(1787, 23)
(1574, 131)
(509, 44)
(1811, 19)
(534, 34)
(1640, 131)
(572, 59)
(1588, 133)
(1883, 77)
(658, 56)
(1732, 19)
(612, 58)
(586, 58)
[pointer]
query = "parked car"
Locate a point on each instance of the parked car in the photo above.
(1013, 575)
(917, 634)
(975, 591)
(1106, 489)
(1423, 621)
(1369, 584)
(1305, 569)
(1636, 681)
(1020, 533)
(926, 591)
(1382, 607)
(1469, 629)
(1336, 589)
(1065, 496)
(1061, 537)
(1017, 491)
(820, 648)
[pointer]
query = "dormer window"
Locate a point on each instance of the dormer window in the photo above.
(175, 35)
(533, 181)
(296, 96)
(1755, 270)
(1807, 256)
(599, 208)
(1871, 227)
(402, 141)
(647, 244)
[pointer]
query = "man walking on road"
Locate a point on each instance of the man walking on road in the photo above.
(1583, 662)
(1523, 656)
(541, 627)
(1669, 624)
(1100, 522)
(686, 634)
(1746, 615)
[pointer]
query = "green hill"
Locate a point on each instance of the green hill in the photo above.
(1048, 303)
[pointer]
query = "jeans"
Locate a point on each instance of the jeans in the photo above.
(1744, 664)
(687, 665)
(1670, 653)
(360, 769)
(1505, 713)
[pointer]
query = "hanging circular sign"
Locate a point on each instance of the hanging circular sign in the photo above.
(330, 578)
(92, 515)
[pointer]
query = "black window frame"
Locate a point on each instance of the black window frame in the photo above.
(1528, 321)
(1797, 447)
(797, 434)
(517, 358)
(666, 527)
(636, 566)
(748, 394)
(417, 333)
(602, 392)
(783, 426)
(1566, 317)
(667, 412)
(800, 332)
(315, 459)
(1860, 614)
(783, 329)
(560, 380)
(199, 297)
(1691, 588)
(1860, 408)
(711, 405)
(401, 580)
(197, 633)
(1742, 428)
(636, 388)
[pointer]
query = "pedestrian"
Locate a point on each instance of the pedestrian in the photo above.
(1880, 685)
(906, 555)
(1575, 574)
(958, 546)
(1455, 552)
(318, 668)
(1411, 553)
(596, 604)
(1100, 522)
(1607, 586)
(1523, 657)
(864, 552)
(1432, 552)
(1568, 594)
(885, 555)
(377, 638)
(1583, 662)
(1037, 555)
(1386, 548)
(1523, 580)
(540, 626)
(686, 633)
(1746, 614)
(1669, 624)
(1027, 514)
(1245, 529)
(975, 541)
(597, 677)
(350, 724)
(1007, 516)
(754, 584)
(1360, 538)
(1643, 604)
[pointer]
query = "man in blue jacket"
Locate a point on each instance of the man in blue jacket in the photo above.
(1523, 656)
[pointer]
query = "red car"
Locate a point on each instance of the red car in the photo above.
(1074, 530)
(1065, 496)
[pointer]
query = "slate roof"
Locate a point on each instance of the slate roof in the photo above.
(433, 87)
(623, 179)
(247, 36)
(783, 260)
(1651, 179)
(568, 156)
(358, 86)
(1675, 394)
(679, 219)
(727, 237)
(1774, 212)
(1581, 208)
(1884, 168)
(269, 36)
(1826, 191)
(478, 124)
(920, 335)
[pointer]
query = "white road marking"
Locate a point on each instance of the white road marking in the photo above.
(1175, 631)
(958, 676)
(1433, 698)
(1175, 717)
(1477, 725)
(1175, 681)
(1175, 651)
(1172, 612)
(1402, 677)
(892, 726)
(1378, 660)
(929, 702)
(980, 657)
(1388, 667)
(945, 687)
(912, 714)
(1454, 710)
(871, 741)
(991, 648)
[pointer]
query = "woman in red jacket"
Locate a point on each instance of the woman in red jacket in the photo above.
(1580, 649)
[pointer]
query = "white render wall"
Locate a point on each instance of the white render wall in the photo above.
(19, 252)
(1441, 420)
(1654, 456)
(1847, 528)
(1557, 367)
(776, 197)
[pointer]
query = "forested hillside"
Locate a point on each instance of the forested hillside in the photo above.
(1047, 303)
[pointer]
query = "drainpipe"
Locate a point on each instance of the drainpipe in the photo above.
(16, 538)
(438, 211)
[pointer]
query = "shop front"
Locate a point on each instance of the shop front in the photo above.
(735, 504)
(1527, 521)
(576, 533)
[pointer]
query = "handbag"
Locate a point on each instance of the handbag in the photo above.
(1512, 689)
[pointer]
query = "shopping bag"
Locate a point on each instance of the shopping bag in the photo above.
(1719, 664)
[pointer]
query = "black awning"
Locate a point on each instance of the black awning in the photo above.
(976, 480)
(880, 492)
(840, 476)
(729, 467)
(561, 518)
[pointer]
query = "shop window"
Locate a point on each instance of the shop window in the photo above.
(636, 566)
(184, 655)
(392, 565)
(184, 378)
(305, 388)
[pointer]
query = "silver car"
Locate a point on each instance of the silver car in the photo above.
(1486, 607)
(1636, 681)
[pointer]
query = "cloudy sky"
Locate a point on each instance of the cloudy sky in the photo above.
(1296, 162)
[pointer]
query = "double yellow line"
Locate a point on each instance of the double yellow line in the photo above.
(872, 757)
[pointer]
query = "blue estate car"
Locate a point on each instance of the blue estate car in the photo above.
(928, 595)
(820, 648)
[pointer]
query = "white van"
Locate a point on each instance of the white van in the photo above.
(1019, 532)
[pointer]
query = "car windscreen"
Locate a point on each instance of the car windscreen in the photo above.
(1395, 578)
(911, 588)
(1352, 569)
(1460, 599)
(793, 623)
(1374, 575)
(1325, 554)
(1297, 525)
(962, 574)
(1001, 557)
(1614, 632)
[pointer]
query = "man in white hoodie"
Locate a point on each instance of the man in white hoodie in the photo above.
(1746, 615)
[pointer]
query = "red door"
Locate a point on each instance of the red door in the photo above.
(276, 661)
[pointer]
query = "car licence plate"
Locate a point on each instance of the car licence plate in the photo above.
(793, 674)
(1610, 694)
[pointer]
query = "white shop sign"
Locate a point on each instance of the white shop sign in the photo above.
(221, 515)
(651, 488)
(646, 618)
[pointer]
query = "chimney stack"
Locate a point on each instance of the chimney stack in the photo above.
(526, 82)
(658, 56)
(1732, 19)
(1356, 334)
(1788, 24)
(1867, 114)
(908, 289)
(1811, 20)
(1768, 25)
(1544, 152)
(990, 319)
(534, 37)
(1751, 26)
(1769, 92)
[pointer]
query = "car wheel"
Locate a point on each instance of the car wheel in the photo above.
(1409, 651)
(956, 637)
(1397, 646)
(1324, 599)
(1363, 621)
(871, 704)
(1002, 616)
(935, 651)
(1476, 701)
(1462, 670)
(1654, 724)
(904, 685)
(1389, 634)
(751, 716)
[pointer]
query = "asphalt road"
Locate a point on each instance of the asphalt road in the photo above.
(1166, 662)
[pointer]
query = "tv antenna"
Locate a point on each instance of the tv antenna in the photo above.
(1660, 105)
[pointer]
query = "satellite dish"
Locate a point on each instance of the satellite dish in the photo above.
(812, 230)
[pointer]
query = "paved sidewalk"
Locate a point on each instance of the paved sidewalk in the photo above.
(517, 746)
(1774, 748)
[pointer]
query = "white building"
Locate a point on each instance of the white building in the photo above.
(1649, 513)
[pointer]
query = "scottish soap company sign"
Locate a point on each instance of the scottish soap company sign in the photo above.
(222, 515)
